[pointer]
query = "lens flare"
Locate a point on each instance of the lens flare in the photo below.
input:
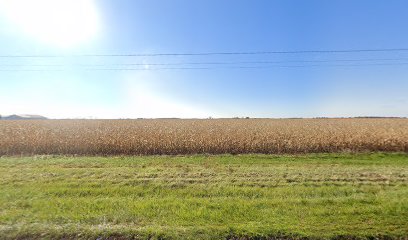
(59, 23)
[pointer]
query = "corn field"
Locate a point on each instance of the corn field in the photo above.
(213, 136)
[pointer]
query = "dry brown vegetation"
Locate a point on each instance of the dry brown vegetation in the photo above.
(174, 136)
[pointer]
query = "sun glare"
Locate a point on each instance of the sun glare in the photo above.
(146, 100)
(60, 23)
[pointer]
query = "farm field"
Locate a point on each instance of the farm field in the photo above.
(341, 196)
(215, 136)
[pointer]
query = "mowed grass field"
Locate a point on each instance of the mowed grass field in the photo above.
(199, 136)
(312, 196)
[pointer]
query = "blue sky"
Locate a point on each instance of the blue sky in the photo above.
(298, 85)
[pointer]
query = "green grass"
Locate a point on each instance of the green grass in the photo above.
(205, 197)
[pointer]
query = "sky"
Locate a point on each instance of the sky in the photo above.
(49, 64)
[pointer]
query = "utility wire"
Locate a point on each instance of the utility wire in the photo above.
(204, 68)
(250, 67)
(205, 63)
(211, 53)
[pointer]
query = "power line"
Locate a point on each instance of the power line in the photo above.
(211, 53)
(204, 68)
(249, 67)
(205, 63)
